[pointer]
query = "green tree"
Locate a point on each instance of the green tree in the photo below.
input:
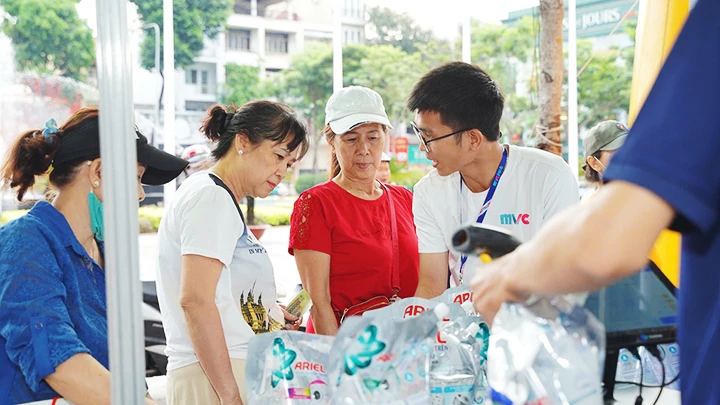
(194, 20)
(306, 86)
(500, 50)
(242, 84)
(604, 86)
(398, 29)
(391, 72)
(49, 37)
(435, 52)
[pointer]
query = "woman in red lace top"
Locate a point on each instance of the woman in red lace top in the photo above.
(341, 231)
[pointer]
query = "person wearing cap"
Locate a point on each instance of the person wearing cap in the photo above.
(599, 146)
(475, 178)
(653, 182)
(215, 281)
(53, 314)
(383, 172)
(342, 231)
(199, 158)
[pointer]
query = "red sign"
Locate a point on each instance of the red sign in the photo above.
(401, 149)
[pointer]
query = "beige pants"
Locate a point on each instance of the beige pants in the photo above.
(190, 386)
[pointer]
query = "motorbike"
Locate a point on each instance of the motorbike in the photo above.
(155, 358)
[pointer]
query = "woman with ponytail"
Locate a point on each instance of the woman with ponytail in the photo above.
(53, 316)
(353, 237)
(216, 285)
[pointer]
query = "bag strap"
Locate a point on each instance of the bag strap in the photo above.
(395, 243)
(222, 184)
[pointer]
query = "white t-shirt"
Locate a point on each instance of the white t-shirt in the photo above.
(202, 220)
(534, 186)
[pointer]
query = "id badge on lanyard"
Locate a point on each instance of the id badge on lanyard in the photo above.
(485, 206)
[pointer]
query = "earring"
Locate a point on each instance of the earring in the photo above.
(96, 183)
(88, 163)
(240, 152)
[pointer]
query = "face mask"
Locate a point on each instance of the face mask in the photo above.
(96, 216)
(603, 167)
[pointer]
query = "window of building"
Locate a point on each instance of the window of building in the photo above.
(242, 7)
(271, 72)
(197, 105)
(353, 8)
(276, 43)
(191, 76)
(204, 88)
(238, 40)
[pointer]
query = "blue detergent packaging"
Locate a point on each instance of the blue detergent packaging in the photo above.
(288, 368)
(379, 360)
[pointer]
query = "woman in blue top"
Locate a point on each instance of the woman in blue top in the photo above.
(53, 318)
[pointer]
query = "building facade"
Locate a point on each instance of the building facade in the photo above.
(262, 33)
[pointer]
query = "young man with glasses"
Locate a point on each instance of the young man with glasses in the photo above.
(475, 178)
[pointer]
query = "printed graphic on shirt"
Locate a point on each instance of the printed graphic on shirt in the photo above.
(515, 219)
(255, 247)
(256, 315)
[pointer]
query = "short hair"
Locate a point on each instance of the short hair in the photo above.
(464, 95)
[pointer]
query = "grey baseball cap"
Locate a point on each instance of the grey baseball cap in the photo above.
(606, 135)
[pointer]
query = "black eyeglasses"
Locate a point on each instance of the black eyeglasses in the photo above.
(426, 142)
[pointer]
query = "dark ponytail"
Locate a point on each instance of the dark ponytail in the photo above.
(217, 121)
(259, 121)
(32, 155)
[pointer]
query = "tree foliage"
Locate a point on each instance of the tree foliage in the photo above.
(501, 50)
(49, 37)
(242, 84)
(397, 29)
(193, 21)
(604, 86)
(436, 52)
(307, 84)
(391, 72)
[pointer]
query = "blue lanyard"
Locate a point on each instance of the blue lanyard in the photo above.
(488, 200)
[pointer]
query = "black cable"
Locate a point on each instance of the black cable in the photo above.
(653, 349)
(677, 377)
(634, 352)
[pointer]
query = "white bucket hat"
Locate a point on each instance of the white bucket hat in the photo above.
(353, 106)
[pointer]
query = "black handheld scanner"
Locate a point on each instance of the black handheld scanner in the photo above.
(479, 239)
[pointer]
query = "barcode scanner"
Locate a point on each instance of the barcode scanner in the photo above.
(485, 241)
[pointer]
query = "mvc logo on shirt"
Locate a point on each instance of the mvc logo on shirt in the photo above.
(512, 219)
